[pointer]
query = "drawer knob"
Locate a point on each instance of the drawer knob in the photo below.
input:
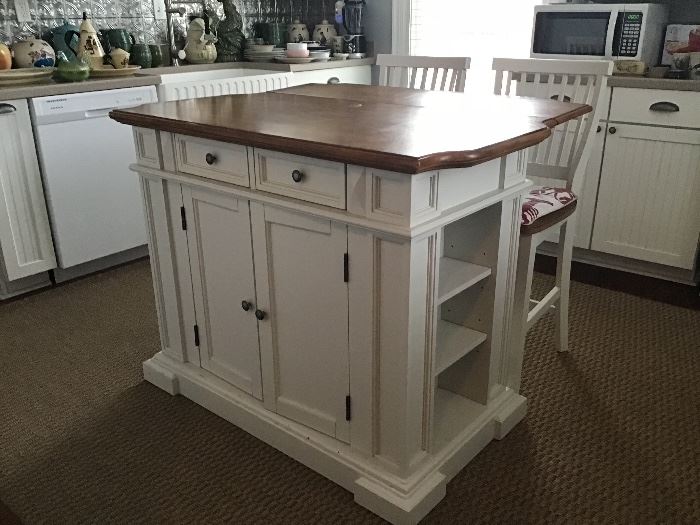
(612, 130)
(260, 315)
(246, 306)
(210, 158)
(665, 107)
(297, 176)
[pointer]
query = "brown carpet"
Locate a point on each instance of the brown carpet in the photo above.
(612, 434)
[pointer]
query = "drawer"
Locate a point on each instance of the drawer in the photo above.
(211, 159)
(342, 75)
(312, 180)
(635, 105)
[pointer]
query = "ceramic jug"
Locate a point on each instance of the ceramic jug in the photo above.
(33, 52)
(199, 46)
(297, 32)
(62, 41)
(324, 33)
(89, 46)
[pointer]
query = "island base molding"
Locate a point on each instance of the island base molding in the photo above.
(398, 500)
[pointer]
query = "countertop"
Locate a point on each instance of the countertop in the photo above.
(654, 83)
(51, 87)
(393, 129)
(152, 76)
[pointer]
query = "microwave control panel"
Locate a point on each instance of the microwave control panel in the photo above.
(631, 29)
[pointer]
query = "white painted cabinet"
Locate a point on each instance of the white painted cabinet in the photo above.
(221, 259)
(343, 75)
(649, 196)
(25, 234)
(256, 274)
(302, 288)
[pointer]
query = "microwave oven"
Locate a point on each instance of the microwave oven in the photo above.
(604, 31)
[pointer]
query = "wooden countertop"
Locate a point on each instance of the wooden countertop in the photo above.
(393, 129)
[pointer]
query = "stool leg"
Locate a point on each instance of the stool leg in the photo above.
(521, 307)
(564, 252)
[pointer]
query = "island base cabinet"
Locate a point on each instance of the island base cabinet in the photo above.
(303, 296)
(221, 258)
(649, 194)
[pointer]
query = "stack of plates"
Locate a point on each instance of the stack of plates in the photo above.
(262, 53)
(27, 75)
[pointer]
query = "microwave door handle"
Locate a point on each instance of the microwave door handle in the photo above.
(610, 37)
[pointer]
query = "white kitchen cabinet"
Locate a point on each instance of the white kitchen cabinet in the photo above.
(342, 75)
(25, 233)
(302, 288)
(221, 259)
(649, 193)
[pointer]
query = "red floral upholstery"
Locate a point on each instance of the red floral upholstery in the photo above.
(542, 201)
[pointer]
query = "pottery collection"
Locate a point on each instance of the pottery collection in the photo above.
(64, 38)
(89, 46)
(199, 46)
(5, 57)
(119, 58)
(71, 70)
(33, 52)
(297, 32)
(324, 33)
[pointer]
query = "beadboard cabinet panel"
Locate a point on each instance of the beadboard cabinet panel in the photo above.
(221, 257)
(25, 234)
(649, 194)
(304, 338)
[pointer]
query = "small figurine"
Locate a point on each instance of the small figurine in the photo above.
(230, 32)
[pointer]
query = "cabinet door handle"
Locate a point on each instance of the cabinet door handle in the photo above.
(333, 80)
(5, 109)
(210, 158)
(297, 176)
(666, 107)
(260, 315)
(246, 306)
(612, 130)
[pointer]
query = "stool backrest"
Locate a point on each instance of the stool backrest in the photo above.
(565, 154)
(432, 73)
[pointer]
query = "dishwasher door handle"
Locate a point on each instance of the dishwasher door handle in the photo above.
(97, 113)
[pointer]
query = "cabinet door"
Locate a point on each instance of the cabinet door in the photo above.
(221, 259)
(304, 337)
(649, 194)
(25, 235)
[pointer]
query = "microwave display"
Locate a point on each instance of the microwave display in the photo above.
(565, 33)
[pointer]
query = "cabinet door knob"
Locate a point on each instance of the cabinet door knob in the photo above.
(334, 80)
(612, 130)
(210, 158)
(260, 315)
(297, 176)
(598, 129)
(246, 306)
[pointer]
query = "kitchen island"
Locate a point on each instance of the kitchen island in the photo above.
(334, 271)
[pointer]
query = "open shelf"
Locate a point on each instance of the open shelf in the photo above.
(453, 413)
(454, 342)
(456, 276)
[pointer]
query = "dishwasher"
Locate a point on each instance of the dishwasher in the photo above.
(93, 199)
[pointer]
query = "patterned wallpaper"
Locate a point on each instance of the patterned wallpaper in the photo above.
(139, 15)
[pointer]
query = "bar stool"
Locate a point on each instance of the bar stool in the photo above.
(432, 73)
(558, 165)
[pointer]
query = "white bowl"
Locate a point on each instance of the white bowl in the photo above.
(320, 54)
(296, 46)
(341, 56)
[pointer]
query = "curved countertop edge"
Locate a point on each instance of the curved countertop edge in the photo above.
(668, 84)
(53, 88)
(339, 153)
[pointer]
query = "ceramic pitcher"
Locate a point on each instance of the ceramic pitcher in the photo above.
(89, 46)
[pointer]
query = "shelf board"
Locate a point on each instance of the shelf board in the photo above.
(453, 343)
(452, 414)
(456, 276)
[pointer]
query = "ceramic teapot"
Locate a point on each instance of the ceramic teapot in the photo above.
(324, 33)
(89, 46)
(199, 46)
(62, 41)
(33, 52)
(297, 32)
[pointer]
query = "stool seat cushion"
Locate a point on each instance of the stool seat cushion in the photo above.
(544, 201)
